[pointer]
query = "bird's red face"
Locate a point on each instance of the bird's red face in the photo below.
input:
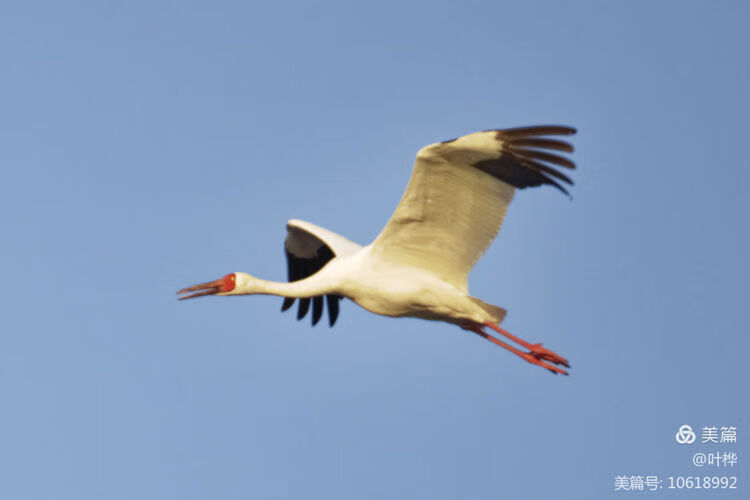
(223, 285)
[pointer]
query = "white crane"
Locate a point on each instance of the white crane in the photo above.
(418, 266)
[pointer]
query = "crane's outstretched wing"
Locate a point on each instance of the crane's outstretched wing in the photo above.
(308, 249)
(459, 192)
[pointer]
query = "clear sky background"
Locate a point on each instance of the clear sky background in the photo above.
(147, 146)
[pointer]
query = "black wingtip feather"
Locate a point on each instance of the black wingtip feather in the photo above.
(317, 309)
(304, 305)
(333, 308)
(537, 130)
(543, 156)
(546, 170)
(524, 163)
(539, 143)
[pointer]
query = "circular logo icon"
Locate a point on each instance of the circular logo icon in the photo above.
(685, 435)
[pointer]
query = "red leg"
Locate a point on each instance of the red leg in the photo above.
(537, 350)
(528, 356)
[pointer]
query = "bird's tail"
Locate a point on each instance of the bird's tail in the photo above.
(497, 313)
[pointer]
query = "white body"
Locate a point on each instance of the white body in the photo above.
(382, 288)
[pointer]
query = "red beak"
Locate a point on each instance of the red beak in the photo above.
(210, 288)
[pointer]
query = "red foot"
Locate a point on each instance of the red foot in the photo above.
(533, 359)
(537, 354)
(540, 352)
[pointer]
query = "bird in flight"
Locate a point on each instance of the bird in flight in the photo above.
(418, 266)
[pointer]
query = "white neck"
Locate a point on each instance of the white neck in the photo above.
(309, 287)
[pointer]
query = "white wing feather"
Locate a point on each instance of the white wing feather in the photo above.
(303, 239)
(450, 212)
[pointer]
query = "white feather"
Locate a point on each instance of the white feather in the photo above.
(450, 212)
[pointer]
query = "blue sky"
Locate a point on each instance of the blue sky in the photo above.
(147, 146)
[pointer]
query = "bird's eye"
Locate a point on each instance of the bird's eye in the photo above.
(228, 283)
